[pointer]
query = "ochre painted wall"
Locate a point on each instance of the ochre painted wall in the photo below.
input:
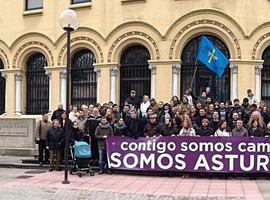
(107, 27)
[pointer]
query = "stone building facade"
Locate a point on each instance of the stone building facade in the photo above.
(146, 45)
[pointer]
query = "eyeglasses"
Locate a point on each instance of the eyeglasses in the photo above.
(152, 118)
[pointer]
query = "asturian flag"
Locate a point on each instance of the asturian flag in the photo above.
(212, 57)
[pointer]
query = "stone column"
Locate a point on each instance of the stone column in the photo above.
(258, 82)
(18, 89)
(113, 75)
(4, 75)
(63, 87)
(153, 80)
(234, 80)
(176, 68)
(98, 73)
(49, 74)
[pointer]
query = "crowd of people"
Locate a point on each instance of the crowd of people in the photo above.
(189, 116)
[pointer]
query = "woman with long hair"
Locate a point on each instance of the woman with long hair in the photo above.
(223, 129)
(187, 129)
(256, 115)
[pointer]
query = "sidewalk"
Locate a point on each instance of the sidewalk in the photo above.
(49, 185)
(14, 161)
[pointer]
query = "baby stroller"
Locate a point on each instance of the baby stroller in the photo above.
(81, 154)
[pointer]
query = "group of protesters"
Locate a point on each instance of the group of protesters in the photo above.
(189, 116)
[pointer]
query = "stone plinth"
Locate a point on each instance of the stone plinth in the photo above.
(17, 137)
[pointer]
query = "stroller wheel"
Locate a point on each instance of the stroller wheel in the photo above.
(80, 174)
(92, 173)
(71, 171)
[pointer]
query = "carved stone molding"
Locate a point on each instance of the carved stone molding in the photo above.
(4, 75)
(98, 72)
(5, 56)
(114, 71)
(49, 74)
(133, 33)
(200, 22)
(153, 69)
(63, 74)
(80, 39)
(176, 68)
(18, 76)
(234, 68)
(32, 43)
(258, 69)
(264, 37)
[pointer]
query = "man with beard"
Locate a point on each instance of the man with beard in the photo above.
(133, 99)
(237, 109)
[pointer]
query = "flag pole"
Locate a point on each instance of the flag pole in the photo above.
(195, 70)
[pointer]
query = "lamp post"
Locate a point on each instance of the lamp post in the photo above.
(69, 22)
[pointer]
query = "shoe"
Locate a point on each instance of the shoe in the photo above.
(100, 172)
(58, 169)
(109, 172)
(51, 169)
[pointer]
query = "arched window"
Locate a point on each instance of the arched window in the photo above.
(2, 89)
(266, 76)
(134, 72)
(204, 77)
(37, 92)
(83, 78)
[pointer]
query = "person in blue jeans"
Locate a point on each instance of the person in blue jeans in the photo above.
(102, 132)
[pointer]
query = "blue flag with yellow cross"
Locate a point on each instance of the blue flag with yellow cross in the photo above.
(212, 57)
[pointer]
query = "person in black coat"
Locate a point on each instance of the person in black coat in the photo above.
(120, 128)
(255, 130)
(135, 126)
(204, 130)
(214, 122)
(237, 109)
(267, 130)
(202, 115)
(91, 124)
(168, 128)
(54, 141)
(166, 112)
(76, 133)
(57, 114)
(133, 99)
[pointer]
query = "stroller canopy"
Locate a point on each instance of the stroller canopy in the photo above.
(82, 150)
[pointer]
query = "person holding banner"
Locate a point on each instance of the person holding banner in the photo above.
(168, 128)
(239, 130)
(152, 128)
(205, 130)
(255, 130)
(267, 130)
(120, 128)
(187, 129)
(223, 129)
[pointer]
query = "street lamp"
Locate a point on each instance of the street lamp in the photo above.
(69, 22)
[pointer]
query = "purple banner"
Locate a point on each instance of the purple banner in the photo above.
(190, 154)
